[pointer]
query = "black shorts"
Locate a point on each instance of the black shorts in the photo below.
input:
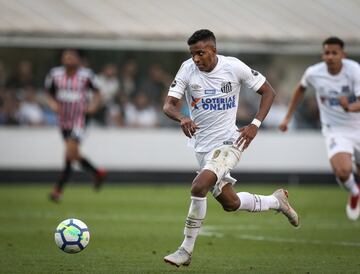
(75, 134)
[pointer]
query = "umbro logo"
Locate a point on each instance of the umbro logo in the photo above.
(195, 86)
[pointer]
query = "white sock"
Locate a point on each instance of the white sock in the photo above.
(257, 203)
(350, 185)
(193, 222)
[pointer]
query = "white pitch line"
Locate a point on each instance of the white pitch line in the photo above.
(212, 231)
(211, 234)
(295, 241)
(323, 226)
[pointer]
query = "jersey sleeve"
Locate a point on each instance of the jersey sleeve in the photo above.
(356, 81)
(50, 83)
(249, 77)
(304, 82)
(178, 86)
(92, 83)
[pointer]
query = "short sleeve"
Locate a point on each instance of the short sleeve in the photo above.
(356, 81)
(92, 83)
(178, 86)
(304, 82)
(50, 83)
(249, 77)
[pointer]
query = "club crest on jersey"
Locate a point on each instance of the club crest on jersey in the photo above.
(226, 87)
(213, 103)
(345, 89)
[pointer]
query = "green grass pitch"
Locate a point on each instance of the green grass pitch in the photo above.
(132, 227)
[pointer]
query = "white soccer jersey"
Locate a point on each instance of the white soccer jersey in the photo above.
(212, 98)
(328, 88)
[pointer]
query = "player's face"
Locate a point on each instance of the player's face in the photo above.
(332, 56)
(204, 55)
(70, 59)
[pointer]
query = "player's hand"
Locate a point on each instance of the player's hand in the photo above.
(91, 110)
(344, 102)
(188, 126)
(54, 106)
(247, 134)
(284, 125)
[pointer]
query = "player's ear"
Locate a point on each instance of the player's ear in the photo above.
(322, 56)
(214, 49)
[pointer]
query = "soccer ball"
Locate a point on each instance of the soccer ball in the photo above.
(72, 235)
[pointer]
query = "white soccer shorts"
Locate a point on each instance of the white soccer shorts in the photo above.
(220, 161)
(348, 142)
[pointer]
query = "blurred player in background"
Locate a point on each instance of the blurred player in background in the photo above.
(332, 79)
(68, 88)
(211, 84)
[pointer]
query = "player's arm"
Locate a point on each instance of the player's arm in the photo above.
(248, 133)
(94, 103)
(344, 101)
(51, 102)
(353, 107)
(296, 98)
(267, 97)
(172, 108)
(50, 89)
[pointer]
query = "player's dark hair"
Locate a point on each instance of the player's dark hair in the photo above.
(78, 52)
(201, 35)
(333, 40)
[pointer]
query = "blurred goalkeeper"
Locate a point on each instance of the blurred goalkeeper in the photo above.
(211, 84)
(68, 87)
(336, 82)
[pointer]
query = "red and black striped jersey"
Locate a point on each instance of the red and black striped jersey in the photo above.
(71, 93)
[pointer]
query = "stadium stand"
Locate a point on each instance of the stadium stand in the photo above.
(165, 24)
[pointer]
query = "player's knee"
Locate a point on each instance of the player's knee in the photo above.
(72, 155)
(198, 190)
(343, 173)
(231, 205)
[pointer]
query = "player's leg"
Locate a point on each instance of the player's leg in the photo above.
(201, 185)
(340, 149)
(98, 173)
(245, 201)
(357, 162)
(74, 150)
(224, 160)
(342, 166)
(232, 201)
(57, 192)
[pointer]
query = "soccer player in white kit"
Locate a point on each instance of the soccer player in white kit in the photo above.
(336, 82)
(211, 84)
